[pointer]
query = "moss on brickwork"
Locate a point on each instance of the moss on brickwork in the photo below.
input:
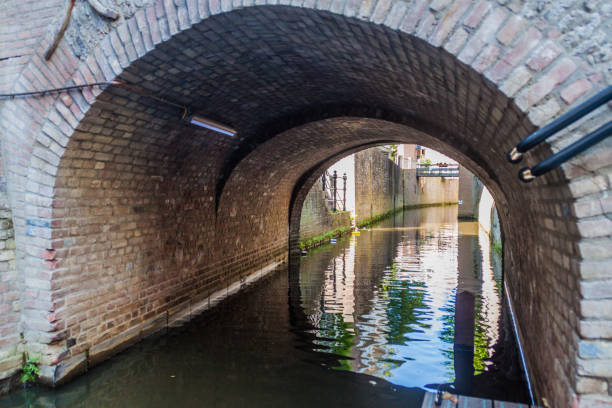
(316, 218)
(378, 218)
(324, 238)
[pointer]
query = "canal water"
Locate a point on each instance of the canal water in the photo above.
(412, 303)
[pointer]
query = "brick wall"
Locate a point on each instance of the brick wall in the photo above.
(470, 189)
(381, 186)
(468, 79)
(429, 190)
(317, 218)
(10, 342)
(378, 184)
(17, 44)
(495, 233)
(137, 236)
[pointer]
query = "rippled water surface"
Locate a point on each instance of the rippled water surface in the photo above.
(413, 303)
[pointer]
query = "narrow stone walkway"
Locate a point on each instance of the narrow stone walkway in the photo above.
(470, 402)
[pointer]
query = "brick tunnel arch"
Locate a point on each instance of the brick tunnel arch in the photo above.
(282, 165)
(402, 135)
(136, 214)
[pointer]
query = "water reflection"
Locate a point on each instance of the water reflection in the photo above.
(414, 301)
(368, 322)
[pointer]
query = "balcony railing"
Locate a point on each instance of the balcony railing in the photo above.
(424, 170)
(334, 194)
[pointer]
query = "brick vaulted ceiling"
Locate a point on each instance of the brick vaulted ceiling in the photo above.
(149, 207)
(300, 87)
(267, 71)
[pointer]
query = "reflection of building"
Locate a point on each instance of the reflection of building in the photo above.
(396, 297)
(490, 293)
(338, 289)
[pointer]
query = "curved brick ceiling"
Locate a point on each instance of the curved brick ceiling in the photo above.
(154, 212)
(292, 158)
(268, 70)
(158, 194)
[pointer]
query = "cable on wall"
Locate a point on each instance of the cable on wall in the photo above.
(104, 84)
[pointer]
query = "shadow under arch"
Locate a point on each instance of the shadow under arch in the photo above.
(306, 181)
(280, 66)
(269, 131)
(323, 142)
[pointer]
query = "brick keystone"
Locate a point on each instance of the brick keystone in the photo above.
(512, 58)
(487, 57)
(477, 14)
(66, 99)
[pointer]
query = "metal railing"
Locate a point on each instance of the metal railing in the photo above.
(335, 196)
(528, 174)
(424, 170)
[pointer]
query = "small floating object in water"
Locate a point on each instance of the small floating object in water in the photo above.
(372, 382)
(356, 232)
(444, 396)
(450, 397)
(173, 376)
(332, 241)
(304, 253)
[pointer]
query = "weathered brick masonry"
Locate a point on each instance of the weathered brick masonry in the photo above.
(470, 189)
(382, 186)
(378, 184)
(317, 218)
(429, 190)
(124, 215)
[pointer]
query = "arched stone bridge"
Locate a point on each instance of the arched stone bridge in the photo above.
(123, 214)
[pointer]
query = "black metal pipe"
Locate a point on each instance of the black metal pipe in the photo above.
(335, 188)
(516, 154)
(528, 174)
(58, 90)
(344, 193)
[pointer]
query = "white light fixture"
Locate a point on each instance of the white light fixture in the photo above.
(211, 125)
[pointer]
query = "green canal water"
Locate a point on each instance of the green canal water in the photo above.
(411, 304)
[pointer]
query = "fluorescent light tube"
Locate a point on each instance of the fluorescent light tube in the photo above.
(212, 125)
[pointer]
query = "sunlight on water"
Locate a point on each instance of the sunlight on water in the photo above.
(398, 322)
